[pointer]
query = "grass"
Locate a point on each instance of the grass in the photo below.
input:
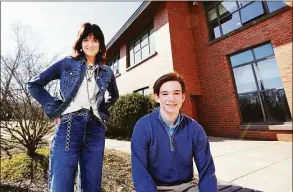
(21, 173)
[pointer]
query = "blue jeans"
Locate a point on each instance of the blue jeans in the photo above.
(79, 140)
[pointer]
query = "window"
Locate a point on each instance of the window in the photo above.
(114, 64)
(143, 91)
(224, 17)
(259, 86)
(142, 47)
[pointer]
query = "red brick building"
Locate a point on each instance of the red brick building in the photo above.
(236, 59)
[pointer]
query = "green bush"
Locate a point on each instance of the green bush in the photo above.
(125, 113)
(21, 167)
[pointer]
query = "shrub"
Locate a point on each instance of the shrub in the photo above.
(125, 113)
(21, 167)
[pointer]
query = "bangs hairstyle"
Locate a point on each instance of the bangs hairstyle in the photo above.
(85, 30)
(168, 77)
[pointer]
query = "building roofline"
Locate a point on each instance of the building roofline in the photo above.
(134, 16)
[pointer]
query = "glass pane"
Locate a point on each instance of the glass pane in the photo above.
(145, 52)
(276, 106)
(144, 40)
(243, 3)
(267, 74)
(241, 58)
(226, 8)
(137, 57)
(213, 24)
(131, 56)
(250, 108)
(275, 5)
(212, 14)
(263, 51)
(244, 79)
(251, 11)
(146, 91)
(231, 23)
(116, 66)
(152, 41)
(137, 46)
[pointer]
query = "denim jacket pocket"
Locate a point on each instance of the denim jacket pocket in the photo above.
(71, 76)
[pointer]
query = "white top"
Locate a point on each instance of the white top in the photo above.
(82, 99)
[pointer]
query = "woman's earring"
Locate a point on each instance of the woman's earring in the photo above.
(80, 50)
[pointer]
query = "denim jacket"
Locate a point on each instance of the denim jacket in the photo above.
(71, 72)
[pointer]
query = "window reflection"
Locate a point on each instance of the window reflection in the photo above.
(230, 23)
(244, 79)
(276, 106)
(251, 11)
(259, 86)
(263, 51)
(226, 16)
(250, 108)
(275, 5)
(226, 8)
(267, 74)
(241, 58)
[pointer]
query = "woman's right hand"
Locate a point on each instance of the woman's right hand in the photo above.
(57, 120)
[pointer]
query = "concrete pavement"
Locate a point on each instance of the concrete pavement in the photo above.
(259, 165)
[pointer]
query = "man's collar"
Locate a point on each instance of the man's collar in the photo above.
(177, 121)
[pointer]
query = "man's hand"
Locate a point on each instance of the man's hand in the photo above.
(57, 121)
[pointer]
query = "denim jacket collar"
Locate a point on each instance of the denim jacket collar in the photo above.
(100, 65)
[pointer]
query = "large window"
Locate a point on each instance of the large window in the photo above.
(114, 64)
(224, 17)
(142, 47)
(143, 91)
(259, 86)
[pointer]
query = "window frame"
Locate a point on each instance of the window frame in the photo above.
(238, 9)
(143, 90)
(258, 91)
(132, 43)
(111, 63)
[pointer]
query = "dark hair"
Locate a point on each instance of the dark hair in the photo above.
(85, 30)
(168, 77)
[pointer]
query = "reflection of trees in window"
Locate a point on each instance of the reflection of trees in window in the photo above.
(276, 105)
(250, 108)
(260, 89)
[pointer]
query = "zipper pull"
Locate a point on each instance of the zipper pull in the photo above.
(172, 143)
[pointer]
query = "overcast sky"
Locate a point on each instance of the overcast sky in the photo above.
(55, 24)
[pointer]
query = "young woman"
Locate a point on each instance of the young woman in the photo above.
(81, 115)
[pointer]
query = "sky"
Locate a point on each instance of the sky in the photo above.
(53, 26)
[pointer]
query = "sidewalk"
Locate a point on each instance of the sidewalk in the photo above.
(259, 165)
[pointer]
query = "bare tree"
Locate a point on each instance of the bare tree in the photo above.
(23, 122)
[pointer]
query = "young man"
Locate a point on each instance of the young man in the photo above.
(165, 142)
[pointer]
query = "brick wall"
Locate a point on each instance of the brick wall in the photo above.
(183, 52)
(218, 105)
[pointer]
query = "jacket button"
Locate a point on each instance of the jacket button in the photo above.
(70, 73)
(102, 87)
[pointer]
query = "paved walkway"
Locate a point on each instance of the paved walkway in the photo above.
(260, 165)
